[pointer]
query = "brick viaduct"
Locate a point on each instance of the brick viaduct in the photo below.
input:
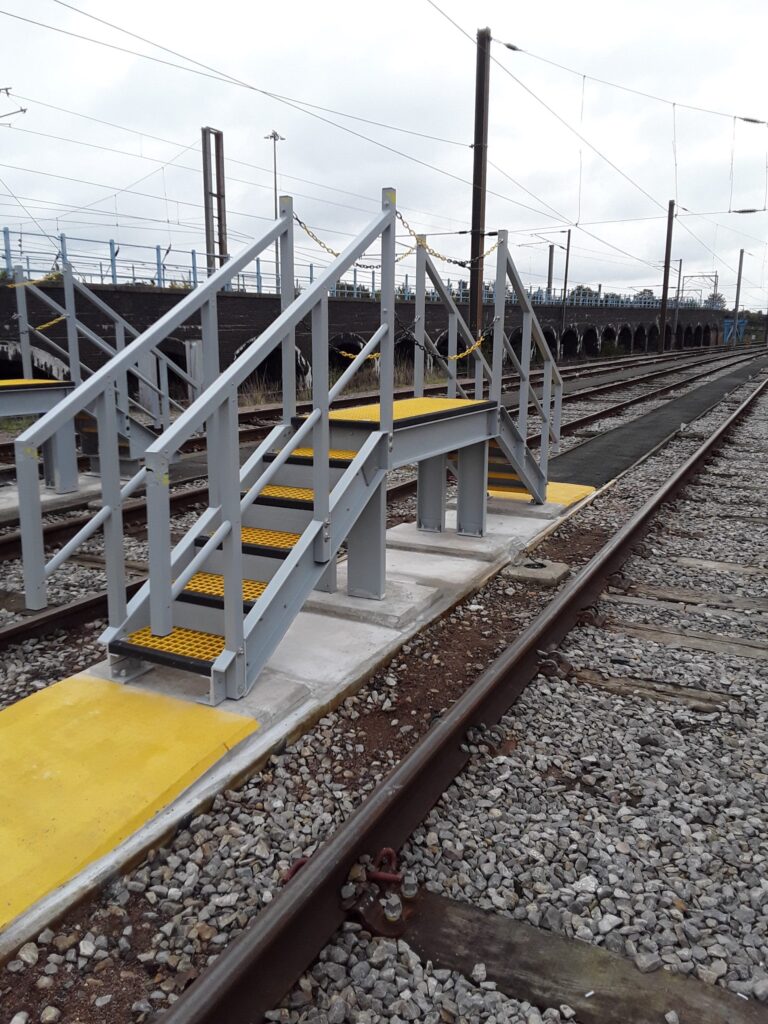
(589, 330)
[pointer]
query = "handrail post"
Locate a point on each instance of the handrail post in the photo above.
(525, 375)
(546, 417)
(109, 471)
(159, 537)
(387, 359)
(31, 524)
(499, 307)
(419, 310)
(287, 296)
(122, 380)
(21, 308)
(232, 550)
(73, 344)
(321, 479)
(210, 371)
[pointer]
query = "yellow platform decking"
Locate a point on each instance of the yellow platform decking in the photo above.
(83, 764)
(558, 494)
(403, 409)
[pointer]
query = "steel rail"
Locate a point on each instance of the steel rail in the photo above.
(134, 513)
(254, 973)
(570, 372)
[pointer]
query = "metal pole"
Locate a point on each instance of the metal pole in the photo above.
(63, 247)
(665, 283)
(221, 200)
(677, 300)
(738, 298)
(113, 260)
(210, 257)
(159, 261)
(275, 137)
(194, 269)
(550, 272)
(7, 247)
(482, 82)
(565, 288)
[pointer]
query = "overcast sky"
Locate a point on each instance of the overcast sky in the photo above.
(406, 65)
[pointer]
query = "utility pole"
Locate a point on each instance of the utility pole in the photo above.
(665, 284)
(738, 297)
(215, 191)
(565, 286)
(677, 300)
(273, 135)
(550, 272)
(479, 171)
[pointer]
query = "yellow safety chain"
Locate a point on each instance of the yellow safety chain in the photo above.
(441, 256)
(56, 320)
(351, 355)
(332, 252)
(39, 280)
(467, 351)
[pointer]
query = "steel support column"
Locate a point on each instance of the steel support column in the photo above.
(367, 549)
(472, 496)
(430, 501)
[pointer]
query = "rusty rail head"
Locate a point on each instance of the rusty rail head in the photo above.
(257, 970)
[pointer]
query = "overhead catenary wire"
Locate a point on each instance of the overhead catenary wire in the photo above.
(628, 88)
(296, 105)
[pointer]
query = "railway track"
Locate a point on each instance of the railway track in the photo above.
(253, 973)
(257, 970)
(60, 529)
(268, 411)
(93, 606)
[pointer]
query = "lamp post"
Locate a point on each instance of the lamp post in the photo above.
(275, 137)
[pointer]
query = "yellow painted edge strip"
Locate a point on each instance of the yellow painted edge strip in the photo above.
(558, 494)
(83, 764)
(28, 382)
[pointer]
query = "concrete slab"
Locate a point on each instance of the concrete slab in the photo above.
(546, 574)
(515, 532)
(439, 570)
(407, 536)
(88, 487)
(404, 603)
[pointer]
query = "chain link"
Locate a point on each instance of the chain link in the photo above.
(50, 323)
(332, 252)
(466, 264)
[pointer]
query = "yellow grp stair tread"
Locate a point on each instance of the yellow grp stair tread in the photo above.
(404, 409)
(559, 494)
(28, 382)
(85, 763)
(342, 454)
(289, 493)
(269, 538)
(188, 643)
(212, 584)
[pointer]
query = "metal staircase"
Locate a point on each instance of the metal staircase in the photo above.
(143, 402)
(220, 599)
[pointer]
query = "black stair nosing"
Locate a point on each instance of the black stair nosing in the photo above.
(251, 549)
(308, 460)
(303, 506)
(209, 600)
(181, 661)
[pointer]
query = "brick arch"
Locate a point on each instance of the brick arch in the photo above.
(570, 343)
(687, 336)
(624, 338)
(706, 335)
(640, 338)
(698, 336)
(590, 341)
(653, 338)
